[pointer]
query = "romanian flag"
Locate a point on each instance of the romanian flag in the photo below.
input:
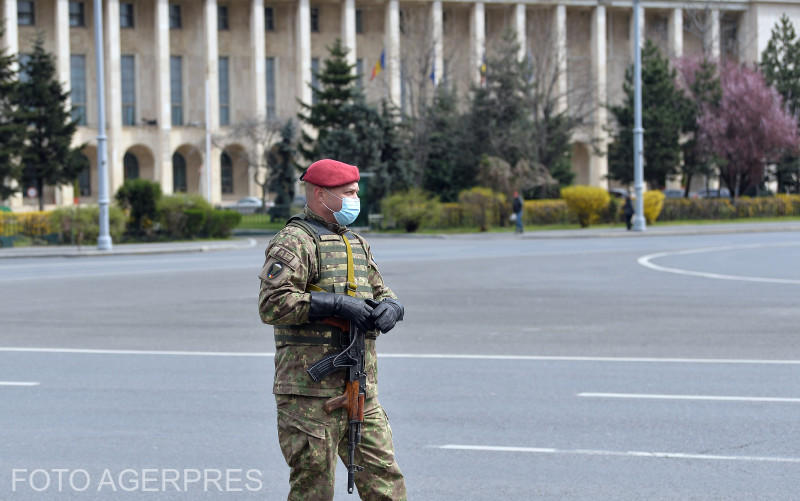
(379, 66)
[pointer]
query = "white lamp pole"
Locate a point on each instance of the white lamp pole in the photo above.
(638, 132)
(103, 238)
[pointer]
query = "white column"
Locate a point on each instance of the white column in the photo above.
(64, 193)
(212, 101)
(477, 25)
(392, 44)
(676, 32)
(642, 25)
(163, 161)
(11, 45)
(113, 96)
(438, 41)
(303, 59)
(520, 28)
(598, 164)
(712, 36)
(349, 30)
(560, 56)
(258, 63)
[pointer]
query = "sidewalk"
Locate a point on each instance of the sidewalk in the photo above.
(126, 249)
(669, 230)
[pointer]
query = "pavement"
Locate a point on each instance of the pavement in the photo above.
(244, 240)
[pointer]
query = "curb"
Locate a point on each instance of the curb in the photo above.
(712, 230)
(126, 251)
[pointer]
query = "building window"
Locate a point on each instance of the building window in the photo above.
(226, 172)
(175, 17)
(128, 70)
(25, 14)
(24, 61)
(77, 76)
(271, 111)
(314, 79)
(360, 73)
(314, 19)
(224, 92)
(176, 88)
(131, 166)
(359, 21)
(222, 17)
(76, 18)
(269, 19)
(85, 179)
(126, 15)
(178, 173)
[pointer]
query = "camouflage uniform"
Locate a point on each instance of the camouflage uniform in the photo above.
(309, 437)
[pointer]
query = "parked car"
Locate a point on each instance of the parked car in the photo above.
(618, 192)
(712, 193)
(248, 205)
(673, 193)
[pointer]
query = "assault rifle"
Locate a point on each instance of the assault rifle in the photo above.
(355, 392)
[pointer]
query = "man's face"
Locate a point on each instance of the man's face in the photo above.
(332, 197)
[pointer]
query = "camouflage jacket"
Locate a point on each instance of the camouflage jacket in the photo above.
(283, 301)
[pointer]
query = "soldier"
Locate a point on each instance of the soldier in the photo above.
(305, 280)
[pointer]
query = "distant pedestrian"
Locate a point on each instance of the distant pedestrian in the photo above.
(516, 207)
(627, 211)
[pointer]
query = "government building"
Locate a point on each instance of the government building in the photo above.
(177, 71)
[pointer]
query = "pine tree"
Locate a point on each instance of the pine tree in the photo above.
(663, 115)
(282, 171)
(11, 132)
(47, 154)
(780, 64)
(351, 130)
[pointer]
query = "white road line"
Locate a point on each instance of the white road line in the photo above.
(646, 261)
(689, 397)
(594, 452)
(418, 356)
(19, 383)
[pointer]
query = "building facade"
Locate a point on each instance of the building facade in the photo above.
(175, 70)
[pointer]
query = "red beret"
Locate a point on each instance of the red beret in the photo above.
(329, 173)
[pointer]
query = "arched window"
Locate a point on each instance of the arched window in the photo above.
(226, 177)
(85, 178)
(178, 173)
(131, 166)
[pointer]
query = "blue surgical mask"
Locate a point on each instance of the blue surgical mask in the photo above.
(349, 212)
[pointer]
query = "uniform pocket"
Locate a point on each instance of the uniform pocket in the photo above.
(376, 446)
(302, 441)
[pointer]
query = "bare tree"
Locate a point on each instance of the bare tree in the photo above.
(258, 135)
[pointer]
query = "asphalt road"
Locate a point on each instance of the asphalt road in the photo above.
(605, 368)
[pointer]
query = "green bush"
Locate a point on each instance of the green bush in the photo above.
(174, 220)
(484, 205)
(141, 198)
(80, 225)
(586, 202)
(410, 209)
(220, 223)
(542, 212)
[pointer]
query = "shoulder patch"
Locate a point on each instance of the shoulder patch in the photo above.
(336, 238)
(285, 256)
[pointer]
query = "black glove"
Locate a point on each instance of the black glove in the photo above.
(387, 313)
(327, 304)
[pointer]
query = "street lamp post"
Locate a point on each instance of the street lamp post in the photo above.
(638, 132)
(103, 238)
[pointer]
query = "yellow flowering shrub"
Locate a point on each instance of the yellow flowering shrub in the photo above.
(586, 202)
(653, 203)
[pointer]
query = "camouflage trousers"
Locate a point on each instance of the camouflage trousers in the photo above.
(311, 439)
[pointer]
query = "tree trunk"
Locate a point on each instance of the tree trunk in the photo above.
(40, 189)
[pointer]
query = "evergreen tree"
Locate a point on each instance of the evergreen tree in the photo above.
(451, 166)
(47, 154)
(780, 64)
(282, 171)
(704, 90)
(11, 132)
(350, 130)
(663, 115)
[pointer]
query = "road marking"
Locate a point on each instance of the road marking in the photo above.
(595, 452)
(419, 356)
(19, 383)
(689, 397)
(646, 261)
